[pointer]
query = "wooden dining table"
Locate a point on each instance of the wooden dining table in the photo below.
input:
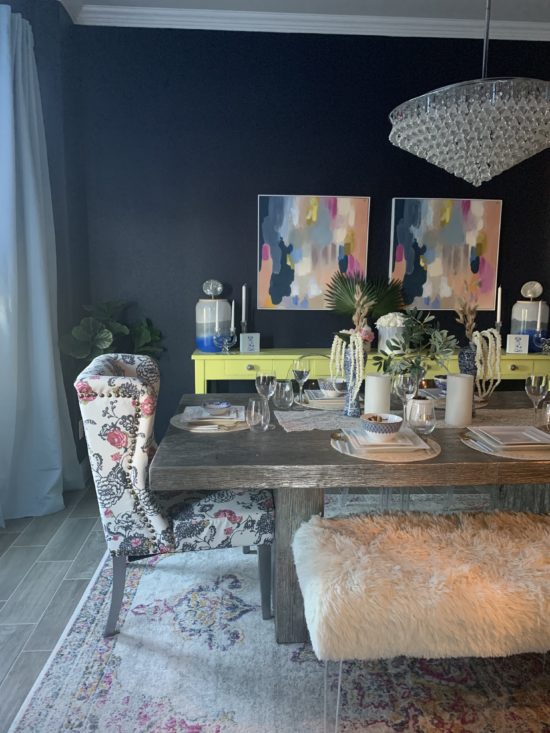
(300, 466)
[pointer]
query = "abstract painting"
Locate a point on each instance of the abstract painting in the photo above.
(445, 249)
(302, 242)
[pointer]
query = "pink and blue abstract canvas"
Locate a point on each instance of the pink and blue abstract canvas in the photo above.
(302, 242)
(445, 249)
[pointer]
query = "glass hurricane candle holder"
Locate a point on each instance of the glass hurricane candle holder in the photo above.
(225, 340)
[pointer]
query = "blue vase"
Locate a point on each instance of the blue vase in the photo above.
(467, 360)
(352, 408)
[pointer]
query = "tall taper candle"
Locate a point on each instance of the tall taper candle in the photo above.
(243, 306)
(539, 315)
(499, 303)
(216, 324)
(232, 315)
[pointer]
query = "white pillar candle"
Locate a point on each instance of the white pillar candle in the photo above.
(460, 399)
(539, 315)
(243, 314)
(499, 303)
(217, 310)
(377, 393)
(232, 315)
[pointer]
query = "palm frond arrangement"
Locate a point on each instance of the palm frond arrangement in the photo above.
(378, 297)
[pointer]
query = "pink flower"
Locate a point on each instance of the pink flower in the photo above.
(117, 438)
(229, 514)
(148, 405)
(136, 542)
(367, 334)
(115, 457)
(85, 392)
(228, 530)
(107, 513)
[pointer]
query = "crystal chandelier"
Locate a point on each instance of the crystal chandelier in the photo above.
(476, 129)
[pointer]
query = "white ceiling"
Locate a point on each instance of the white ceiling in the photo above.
(513, 19)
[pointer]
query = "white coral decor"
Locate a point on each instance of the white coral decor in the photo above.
(391, 320)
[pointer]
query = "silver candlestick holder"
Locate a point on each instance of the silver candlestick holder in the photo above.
(498, 326)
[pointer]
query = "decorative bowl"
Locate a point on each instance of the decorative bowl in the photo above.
(216, 407)
(332, 387)
(381, 425)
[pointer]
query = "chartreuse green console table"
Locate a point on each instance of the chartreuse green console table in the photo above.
(210, 367)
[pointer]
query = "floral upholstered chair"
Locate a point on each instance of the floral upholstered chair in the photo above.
(118, 396)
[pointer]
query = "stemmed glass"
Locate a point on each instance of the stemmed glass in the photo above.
(405, 386)
(300, 370)
(265, 384)
(225, 339)
(536, 387)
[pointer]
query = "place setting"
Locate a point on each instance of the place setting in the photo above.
(388, 437)
(213, 416)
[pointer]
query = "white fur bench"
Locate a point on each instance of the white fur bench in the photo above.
(425, 585)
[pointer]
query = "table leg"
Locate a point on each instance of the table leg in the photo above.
(200, 378)
(292, 507)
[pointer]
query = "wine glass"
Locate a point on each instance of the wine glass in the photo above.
(536, 387)
(258, 414)
(283, 397)
(300, 370)
(421, 416)
(265, 384)
(404, 386)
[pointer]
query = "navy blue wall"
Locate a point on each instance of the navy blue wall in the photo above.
(183, 129)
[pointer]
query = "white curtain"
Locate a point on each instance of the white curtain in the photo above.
(37, 452)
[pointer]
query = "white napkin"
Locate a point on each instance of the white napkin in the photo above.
(197, 412)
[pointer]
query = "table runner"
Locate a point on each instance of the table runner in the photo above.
(299, 420)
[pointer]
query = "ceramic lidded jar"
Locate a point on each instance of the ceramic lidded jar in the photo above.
(207, 312)
(524, 319)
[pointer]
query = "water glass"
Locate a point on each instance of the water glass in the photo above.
(421, 415)
(283, 397)
(536, 387)
(265, 384)
(257, 414)
(546, 416)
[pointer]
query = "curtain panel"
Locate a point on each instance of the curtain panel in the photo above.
(37, 452)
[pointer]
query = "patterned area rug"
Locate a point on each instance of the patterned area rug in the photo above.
(194, 656)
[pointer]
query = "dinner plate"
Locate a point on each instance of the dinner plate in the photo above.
(196, 412)
(404, 440)
(513, 436)
(214, 426)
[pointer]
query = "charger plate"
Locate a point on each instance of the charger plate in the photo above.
(385, 456)
(519, 455)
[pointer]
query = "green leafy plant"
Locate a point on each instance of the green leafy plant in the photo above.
(381, 296)
(104, 330)
(421, 345)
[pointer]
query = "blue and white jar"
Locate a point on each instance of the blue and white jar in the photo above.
(208, 312)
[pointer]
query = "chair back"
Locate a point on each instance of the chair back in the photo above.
(118, 397)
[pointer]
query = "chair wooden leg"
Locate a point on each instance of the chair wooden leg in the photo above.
(264, 565)
(117, 593)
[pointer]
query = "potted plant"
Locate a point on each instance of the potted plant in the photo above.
(361, 300)
(422, 345)
(106, 329)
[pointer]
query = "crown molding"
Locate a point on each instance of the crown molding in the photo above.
(72, 7)
(267, 22)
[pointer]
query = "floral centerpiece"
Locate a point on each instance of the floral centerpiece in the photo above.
(356, 297)
(421, 345)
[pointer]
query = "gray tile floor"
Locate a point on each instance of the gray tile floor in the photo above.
(46, 564)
